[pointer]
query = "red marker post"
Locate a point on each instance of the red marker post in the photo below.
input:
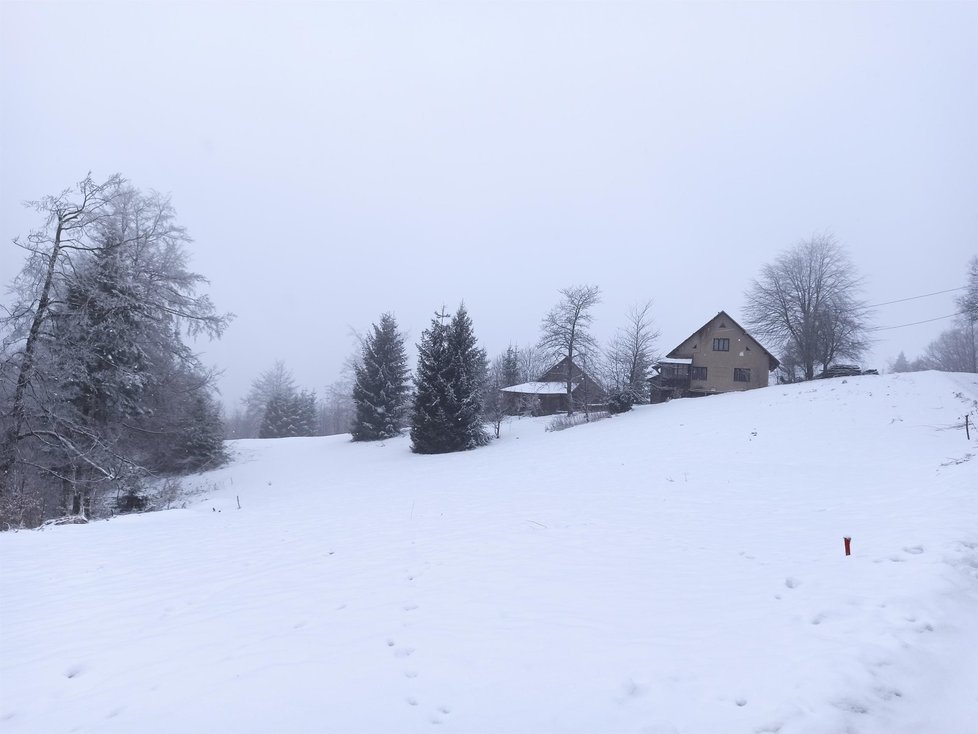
(847, 540)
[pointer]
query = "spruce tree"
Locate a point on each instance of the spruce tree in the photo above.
(470, 368)
(449, 381)
(380, 389)
(431, 426)
(289, 414)
(509, 372)
(305, 414)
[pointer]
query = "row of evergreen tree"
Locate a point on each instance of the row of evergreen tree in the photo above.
(445, 403)
(447, 409)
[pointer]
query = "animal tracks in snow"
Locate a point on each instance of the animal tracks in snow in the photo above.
(401, 652)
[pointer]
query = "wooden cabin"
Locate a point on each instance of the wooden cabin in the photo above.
(547, 394)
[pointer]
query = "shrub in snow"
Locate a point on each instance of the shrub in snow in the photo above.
(561, 422)
(620, 402)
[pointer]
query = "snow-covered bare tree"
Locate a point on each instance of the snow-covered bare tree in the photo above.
(566, 330)
(93, 344)
(807, 302)
(69, 220)
(380, 387)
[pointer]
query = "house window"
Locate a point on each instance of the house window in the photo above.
(697, 373)
(721, 345)
(741, 374)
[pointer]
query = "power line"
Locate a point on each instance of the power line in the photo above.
(915, 323)
(914, 298)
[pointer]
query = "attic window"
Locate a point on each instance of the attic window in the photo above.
(723, 325)
(721, 345)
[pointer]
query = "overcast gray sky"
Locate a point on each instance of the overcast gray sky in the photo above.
(335, 161)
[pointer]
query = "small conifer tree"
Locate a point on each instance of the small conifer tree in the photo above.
(449, 385)
(380, 387)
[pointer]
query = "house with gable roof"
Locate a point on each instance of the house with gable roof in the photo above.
(718, 357)
(548, 394)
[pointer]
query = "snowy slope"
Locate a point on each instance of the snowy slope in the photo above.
(676, 569)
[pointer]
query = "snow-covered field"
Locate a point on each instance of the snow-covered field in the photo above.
(676, 569)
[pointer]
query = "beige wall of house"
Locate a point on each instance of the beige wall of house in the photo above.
(727, 352)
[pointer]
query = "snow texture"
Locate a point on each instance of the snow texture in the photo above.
(678, 568)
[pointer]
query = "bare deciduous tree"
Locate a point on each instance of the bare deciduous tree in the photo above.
(807, 302)
(631, 353)
(70, 218)
(566, 330)
(532, 363)
(968, 302)
(955, 350)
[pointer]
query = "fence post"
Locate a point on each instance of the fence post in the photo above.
(847, 540)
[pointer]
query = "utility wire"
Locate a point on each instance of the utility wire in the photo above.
(915, 323)
(914, 298)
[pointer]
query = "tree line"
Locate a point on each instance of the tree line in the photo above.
(100, 393)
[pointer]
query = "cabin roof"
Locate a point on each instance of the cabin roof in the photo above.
(773, 361)
(540, 388)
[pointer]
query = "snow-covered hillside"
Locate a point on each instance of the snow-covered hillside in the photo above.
(676, 569)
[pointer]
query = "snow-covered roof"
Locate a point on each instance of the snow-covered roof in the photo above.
(540, 388)
(675, 360)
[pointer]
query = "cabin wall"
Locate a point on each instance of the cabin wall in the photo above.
(743, 357)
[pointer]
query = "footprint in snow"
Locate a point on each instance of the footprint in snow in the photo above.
(741, 702)
(404, 652)
(792, 583)
(915, 550)
(888, 694)
(412, 702)
(390, 643)
(819, 618)
(409, 607)
(410, 674)
(74, 671)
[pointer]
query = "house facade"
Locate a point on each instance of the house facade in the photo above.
(719, 357)
(548, 394)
